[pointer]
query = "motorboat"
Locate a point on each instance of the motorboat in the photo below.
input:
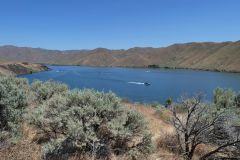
(147, 84)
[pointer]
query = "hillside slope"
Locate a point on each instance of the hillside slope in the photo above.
(13, 68)
(208, 56)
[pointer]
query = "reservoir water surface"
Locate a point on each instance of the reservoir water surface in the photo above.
(129, 82)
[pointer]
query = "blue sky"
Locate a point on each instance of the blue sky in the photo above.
(114, 24)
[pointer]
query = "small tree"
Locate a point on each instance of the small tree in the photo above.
(200, 125)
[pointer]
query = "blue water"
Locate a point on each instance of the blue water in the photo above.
(129, 82)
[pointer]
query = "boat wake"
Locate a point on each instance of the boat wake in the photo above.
(139, 83)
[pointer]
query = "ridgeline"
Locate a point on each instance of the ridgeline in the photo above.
(223, 56)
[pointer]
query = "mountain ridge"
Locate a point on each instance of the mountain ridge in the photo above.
(219, 56)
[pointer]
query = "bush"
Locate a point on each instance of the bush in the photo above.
(228, 101)
(168, 102)
(205, 124)
(89, 122)
(13, 102)
(164, 114)
(155, 105)
(237, 101)
(43, 91)
(224, 99)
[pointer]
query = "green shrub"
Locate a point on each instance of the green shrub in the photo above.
(155, 105)
(89, 122)
(153, 66)
(228, 101)
(13, 102)
(237, 100)
(43, 91)
(168, 102)
(224, 99)
(163, 114)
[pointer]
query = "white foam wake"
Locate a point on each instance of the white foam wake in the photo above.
(136, 83)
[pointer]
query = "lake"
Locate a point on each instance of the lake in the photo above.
(129, 82)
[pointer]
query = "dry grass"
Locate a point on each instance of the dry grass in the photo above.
(156, 125)
(87, 157)
(24, 150)
(163, 114)
(168, 142)
(159, 128)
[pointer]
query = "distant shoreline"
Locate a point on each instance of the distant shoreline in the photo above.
(147, 67)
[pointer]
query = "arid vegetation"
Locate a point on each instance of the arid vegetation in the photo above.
(13, 102)
(206, 124)
(67, 123)
(47, 120)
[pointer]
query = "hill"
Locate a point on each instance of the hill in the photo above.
(17, 68)
(223, 56)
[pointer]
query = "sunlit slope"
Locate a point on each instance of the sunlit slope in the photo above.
(207, 55)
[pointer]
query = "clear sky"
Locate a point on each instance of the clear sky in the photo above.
(114, 24)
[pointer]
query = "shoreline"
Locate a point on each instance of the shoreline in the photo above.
(146, 67)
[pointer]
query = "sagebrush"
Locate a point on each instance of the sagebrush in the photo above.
(13, 102)
(87, 122)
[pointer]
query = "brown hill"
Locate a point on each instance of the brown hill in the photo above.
(14, 68)
(208, 56)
